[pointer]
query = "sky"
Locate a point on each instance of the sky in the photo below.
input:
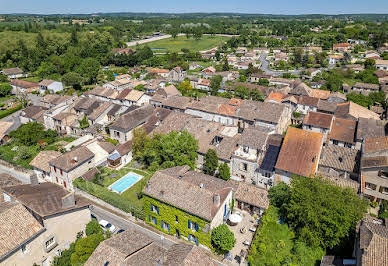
(287, 7)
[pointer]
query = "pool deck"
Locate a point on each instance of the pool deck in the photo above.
(124, 176)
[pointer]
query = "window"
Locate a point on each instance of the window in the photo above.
(155, 209)
(383, 174)
(193, 226)
(243, 167)
(64, 184)
(176, 219)
(50, 243)
(55, 169)
(384, 190)
(335, 142)
(370, 186)
(61, 172)
(193, 238)
(165, 226)
(154, 220)
(24, 249)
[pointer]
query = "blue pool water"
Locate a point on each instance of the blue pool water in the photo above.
(125, 182)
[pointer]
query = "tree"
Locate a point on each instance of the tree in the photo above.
(224, 172)
(5, 89)
(279, 197)
(218, 55)
(185, 88)
(84, 247)
(88, 69)
(93, 227)
(72, 79)
(29, 134)
(166, 150)
(222, 238)
(84, 123)
(360, 99)
(3, 78)
(321, 213)
(225, 66)
(242, 92)
(369, 63)
(210, 162)
(139, 141)
(215, 84)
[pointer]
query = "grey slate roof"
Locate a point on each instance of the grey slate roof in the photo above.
(253, 138)
(67, 163)
(369, 128)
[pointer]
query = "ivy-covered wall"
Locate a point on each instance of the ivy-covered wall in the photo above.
(168, 213)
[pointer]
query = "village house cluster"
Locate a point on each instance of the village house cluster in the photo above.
(298, 129)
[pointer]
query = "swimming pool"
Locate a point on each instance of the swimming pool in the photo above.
(125, 182)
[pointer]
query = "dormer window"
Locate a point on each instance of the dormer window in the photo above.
(246, 149)
(216, 140)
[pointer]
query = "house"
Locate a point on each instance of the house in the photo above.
(266, 170)
(120, 51)
(13, 73)
(327, 107)
(50, 85)
(256, 77)
(374, 169)
(251, 198)
(346, 87)
(307, 104)
(340, 162)
(369, 128)
(299, 154)
(121, 156)
(40, 163)
(275, 97)
(51, 100)
(342, 47)
(351, 110)
(334, 59)
(365, 88)
(382, 64)
(71, 165)
(176, 103)
(197, 201)
(32, 113)
(136, 248)
(177, 74)
(122, 129)
(343, 133)
(318, 122)
(208, 71)
(203, 84)
(119, 84)
(38, 223)
(194, 66)
(337, 97)
(371, 244)
(22, 86)
(5, 128)
(160, 72)
(251, 147)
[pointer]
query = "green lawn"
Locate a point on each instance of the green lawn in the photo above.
(128, 201)
(175, 45)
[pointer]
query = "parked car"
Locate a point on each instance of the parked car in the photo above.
(120, 231)
(107, 226)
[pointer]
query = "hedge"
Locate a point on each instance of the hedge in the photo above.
(110, 197)
(10, 111)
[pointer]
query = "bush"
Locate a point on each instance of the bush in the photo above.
(10, 111)
(93, 228)
(222, 238)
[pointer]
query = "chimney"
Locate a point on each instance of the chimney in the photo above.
(201, 185)
(74, 160)
(68, 201)
(217, 199)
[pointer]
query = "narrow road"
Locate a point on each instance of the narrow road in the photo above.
(124, 224)
(264, 65)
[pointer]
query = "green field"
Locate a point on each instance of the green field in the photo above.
(175, 45)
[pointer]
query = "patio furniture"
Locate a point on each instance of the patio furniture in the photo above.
(243, 230)
(246, 243)
(252, 229)
(235, 218)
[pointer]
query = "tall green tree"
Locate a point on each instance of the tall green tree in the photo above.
(321, 213)
(210, 162)
(84, 247)
(224, 172)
